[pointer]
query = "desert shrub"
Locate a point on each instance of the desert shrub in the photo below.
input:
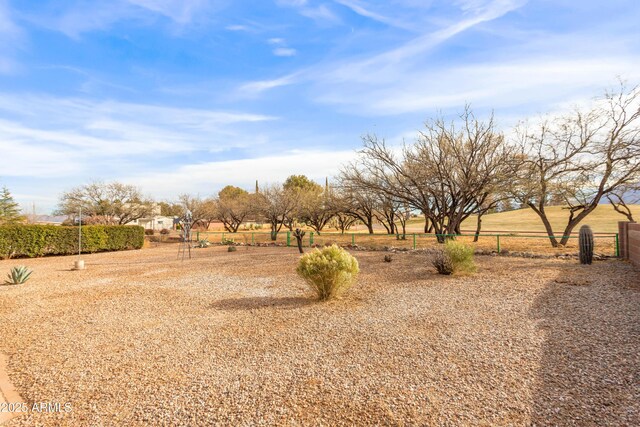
(231, 249)
(442, 262)
(461, 256)
(226, 241)
(165, 231)
(329, 271)
(388, 258)
(149, 232)
(39, 240)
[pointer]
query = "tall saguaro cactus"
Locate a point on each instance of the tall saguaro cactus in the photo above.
(585, 240)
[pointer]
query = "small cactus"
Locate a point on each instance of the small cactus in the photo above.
(203, 243)
(299, 235)
(18, 275)
(585, 241)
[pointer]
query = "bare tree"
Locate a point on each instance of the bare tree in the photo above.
(403, 214)
(106, 203)
(581, 158)
(356, 200)
(276, 204)
(342, 221)
(316, 207)
(203, 211)
(621, 199)
(445, 174)
(386, 212)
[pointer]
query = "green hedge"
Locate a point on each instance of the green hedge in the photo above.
(39, 240)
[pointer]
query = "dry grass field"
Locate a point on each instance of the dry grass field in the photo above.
(140, 338)
(604, 219)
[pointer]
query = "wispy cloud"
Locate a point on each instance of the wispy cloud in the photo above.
(533, 81)
(10, 36)
(71, 135)
(209, 177)
(284, 51)
(281, 49)
(7, 26)
(413, 49)
(259, 86)
(237, 27)
(96, 16)
(321, 13)
(180, 11)
(363, 9)
(385, 67)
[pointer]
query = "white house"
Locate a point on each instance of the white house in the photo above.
(155, 221)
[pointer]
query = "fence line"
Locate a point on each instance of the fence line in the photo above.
(414, 238)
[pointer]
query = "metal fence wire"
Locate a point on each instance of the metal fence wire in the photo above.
(605, 244)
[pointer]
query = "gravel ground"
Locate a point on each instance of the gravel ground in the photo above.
(235, 339)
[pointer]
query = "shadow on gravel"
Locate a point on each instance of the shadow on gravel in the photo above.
(251, 303)
(590, 369)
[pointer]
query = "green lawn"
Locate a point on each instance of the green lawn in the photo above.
(603, 220)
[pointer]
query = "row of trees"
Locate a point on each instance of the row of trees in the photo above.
(454, 171)
(451, 172)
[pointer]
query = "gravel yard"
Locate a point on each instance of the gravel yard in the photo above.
(140, 338)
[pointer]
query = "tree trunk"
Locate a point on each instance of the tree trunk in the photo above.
(478, 228)
(547, 225)
(574, 222)
(439, 233)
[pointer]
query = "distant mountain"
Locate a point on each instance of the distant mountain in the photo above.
(50, 219)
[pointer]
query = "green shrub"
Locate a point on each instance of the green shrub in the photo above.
(123, 237)
(231, 249)
(39, 240)
(461, 256)
(329, 271)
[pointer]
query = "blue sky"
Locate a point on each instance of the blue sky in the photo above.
(186, 96)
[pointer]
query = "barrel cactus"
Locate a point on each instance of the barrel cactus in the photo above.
(585, 240)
